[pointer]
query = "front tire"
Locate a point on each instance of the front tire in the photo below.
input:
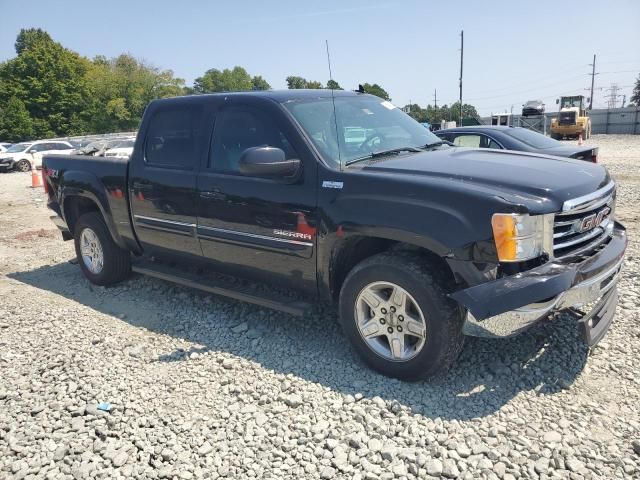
(23, 165)
(395, 311)
(101, 260)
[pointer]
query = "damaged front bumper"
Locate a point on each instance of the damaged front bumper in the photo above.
(509, 305)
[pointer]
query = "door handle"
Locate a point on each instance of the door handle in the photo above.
(141, 186)
(211, 194)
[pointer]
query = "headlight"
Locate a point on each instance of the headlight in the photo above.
(6, 160)
(521, 237)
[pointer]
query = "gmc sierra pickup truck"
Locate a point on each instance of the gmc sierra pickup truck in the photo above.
(344, 199)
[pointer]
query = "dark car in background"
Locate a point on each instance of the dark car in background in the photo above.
(532, 108)
(515, 138)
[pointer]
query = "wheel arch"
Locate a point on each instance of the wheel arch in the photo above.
(349, 252)
(76, 204)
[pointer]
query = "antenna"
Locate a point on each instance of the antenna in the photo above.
(326, 42)
(333, 101)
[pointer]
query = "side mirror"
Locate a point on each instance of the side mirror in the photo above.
(557, 101)
(268, 162)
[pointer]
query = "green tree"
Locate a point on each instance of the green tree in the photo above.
(376, 90)
(635, 96)
(213, 80)
(295, 82)
(122, 87)
(468, 111)
(29, 37)
(333, 85)
(50, 82)
(416, 112)
(15, 122)
(48, 90)
(260, 83)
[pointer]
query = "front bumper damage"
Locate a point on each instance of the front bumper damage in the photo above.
(509, 305)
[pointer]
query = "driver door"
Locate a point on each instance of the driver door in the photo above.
(258, 228)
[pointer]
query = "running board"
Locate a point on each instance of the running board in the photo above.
(202, 282)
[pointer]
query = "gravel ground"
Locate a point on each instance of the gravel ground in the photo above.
(204, 387)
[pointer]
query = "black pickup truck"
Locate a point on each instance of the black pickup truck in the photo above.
(344, 199)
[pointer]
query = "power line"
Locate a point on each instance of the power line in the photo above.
(529, 89)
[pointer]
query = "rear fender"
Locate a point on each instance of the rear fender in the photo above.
(86, 185)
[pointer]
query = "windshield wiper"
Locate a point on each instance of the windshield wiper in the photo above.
(437, 144)
(383, 153)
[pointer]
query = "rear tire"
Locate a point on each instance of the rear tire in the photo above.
(23, 165)
(101, 260)
(419, 357)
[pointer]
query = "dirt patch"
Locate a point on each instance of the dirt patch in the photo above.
(34, 234)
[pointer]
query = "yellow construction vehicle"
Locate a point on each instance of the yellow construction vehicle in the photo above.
(572, 119)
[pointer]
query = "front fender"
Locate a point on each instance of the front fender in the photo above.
(452, 228)
(445, 229)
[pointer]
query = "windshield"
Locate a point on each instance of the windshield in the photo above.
(571, 102)
(530, 138)
(18, 147)
(365, 125)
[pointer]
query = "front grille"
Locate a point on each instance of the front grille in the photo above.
(567, 118)
(584, 226)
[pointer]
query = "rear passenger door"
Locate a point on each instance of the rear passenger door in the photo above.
(259, 228)
(162, 179)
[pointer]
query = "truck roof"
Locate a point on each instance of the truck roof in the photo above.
(277, 95)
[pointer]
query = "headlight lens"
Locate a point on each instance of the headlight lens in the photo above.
(522, 237)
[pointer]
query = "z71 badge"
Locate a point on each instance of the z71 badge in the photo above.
(287, 233)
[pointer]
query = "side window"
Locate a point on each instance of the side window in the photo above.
(472, 141)
(62, 146)
(493, 144)
(173, 137)
(240, 128)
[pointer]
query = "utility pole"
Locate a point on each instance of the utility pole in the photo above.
(461, 60)
(624, 99)
(593, 76)
(435, 98)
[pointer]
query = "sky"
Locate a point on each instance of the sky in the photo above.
(514, 51)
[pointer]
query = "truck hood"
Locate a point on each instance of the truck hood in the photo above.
(520, 177)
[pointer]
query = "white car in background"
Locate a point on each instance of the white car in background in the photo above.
(122, 149)
(22, 156)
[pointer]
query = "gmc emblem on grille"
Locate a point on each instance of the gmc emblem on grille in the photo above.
(592, 221)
